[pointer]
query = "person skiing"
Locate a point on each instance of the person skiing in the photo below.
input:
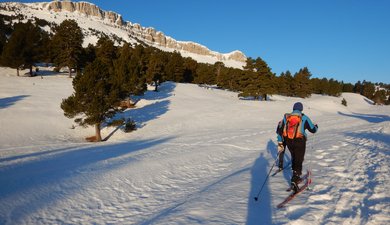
(293, 134)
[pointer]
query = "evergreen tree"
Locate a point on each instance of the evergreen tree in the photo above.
(106, 50)
(24, 50)
(368, 89)
(285, 83)
(130, 70)
(379, 97)
(259, 81)
(88, 55)
(301, 85)
(250, 64)
(249, 85)
(3, 36)
(189, 73)
(94, 97)
(347, 87)
(67, 45)
(358, 88)
(204, 74)
(12, 56)
(320, 86)
(174, 69)
(335, 88)
(138, 64)
(155, 71)
(220, 77)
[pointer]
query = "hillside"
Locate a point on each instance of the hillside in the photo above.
(199, 156)
(95, 22)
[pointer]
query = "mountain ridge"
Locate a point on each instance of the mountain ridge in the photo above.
(113, 23)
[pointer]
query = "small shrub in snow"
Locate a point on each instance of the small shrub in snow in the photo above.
(130, 125)
(344, 102)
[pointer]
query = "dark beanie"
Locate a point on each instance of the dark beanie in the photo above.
(298, 106)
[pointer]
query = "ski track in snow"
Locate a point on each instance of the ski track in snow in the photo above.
(199, 157)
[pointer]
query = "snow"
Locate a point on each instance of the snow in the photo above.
(199, 156)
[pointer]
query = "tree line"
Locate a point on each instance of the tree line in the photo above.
(108, 73)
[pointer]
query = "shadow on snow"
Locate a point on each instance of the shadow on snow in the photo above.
(154, 110)
(371, 118)
(50, 177)
(260, 211)
(8, 102)
(149, 112)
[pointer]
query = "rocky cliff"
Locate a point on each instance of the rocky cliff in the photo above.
(148, 35)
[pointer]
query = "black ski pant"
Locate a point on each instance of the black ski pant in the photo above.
(297, 148)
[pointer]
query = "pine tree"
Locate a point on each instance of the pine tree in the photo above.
(129, 71)
(25, 46)
(12, 56)
(94, 98)
(285, 83)
(88, 55)
(258, 81)
(155, 68)
(358, 88)
(218, 74)
(379, 97)
(250, 64)
(249, 85)
(301, 85)
(335, 88)
(174, 69)
(3, 36)
(347, 87)
(190, 66)
(204, 74)
(67, 45)
(368, 89)
(106, 50)
(138, 66)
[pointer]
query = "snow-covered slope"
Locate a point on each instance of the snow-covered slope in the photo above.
(94, 21)
(199, 157)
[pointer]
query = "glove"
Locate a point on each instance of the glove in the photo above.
(280, 147)
(316, 125)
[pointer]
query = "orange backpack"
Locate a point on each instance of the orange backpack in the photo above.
(292, 128)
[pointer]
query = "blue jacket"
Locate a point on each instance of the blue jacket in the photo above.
(307, 124)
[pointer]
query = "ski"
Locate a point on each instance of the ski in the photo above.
(304, 177)
(294, 194)
(280, 170)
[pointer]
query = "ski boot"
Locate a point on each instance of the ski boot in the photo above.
(295, 180)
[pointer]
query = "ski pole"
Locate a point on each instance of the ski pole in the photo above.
(258, 194)
(311, 150)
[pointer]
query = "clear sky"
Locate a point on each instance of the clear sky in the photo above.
(348, 40)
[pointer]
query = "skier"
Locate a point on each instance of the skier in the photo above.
(293, 134)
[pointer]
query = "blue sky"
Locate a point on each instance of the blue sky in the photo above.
(347, 40)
